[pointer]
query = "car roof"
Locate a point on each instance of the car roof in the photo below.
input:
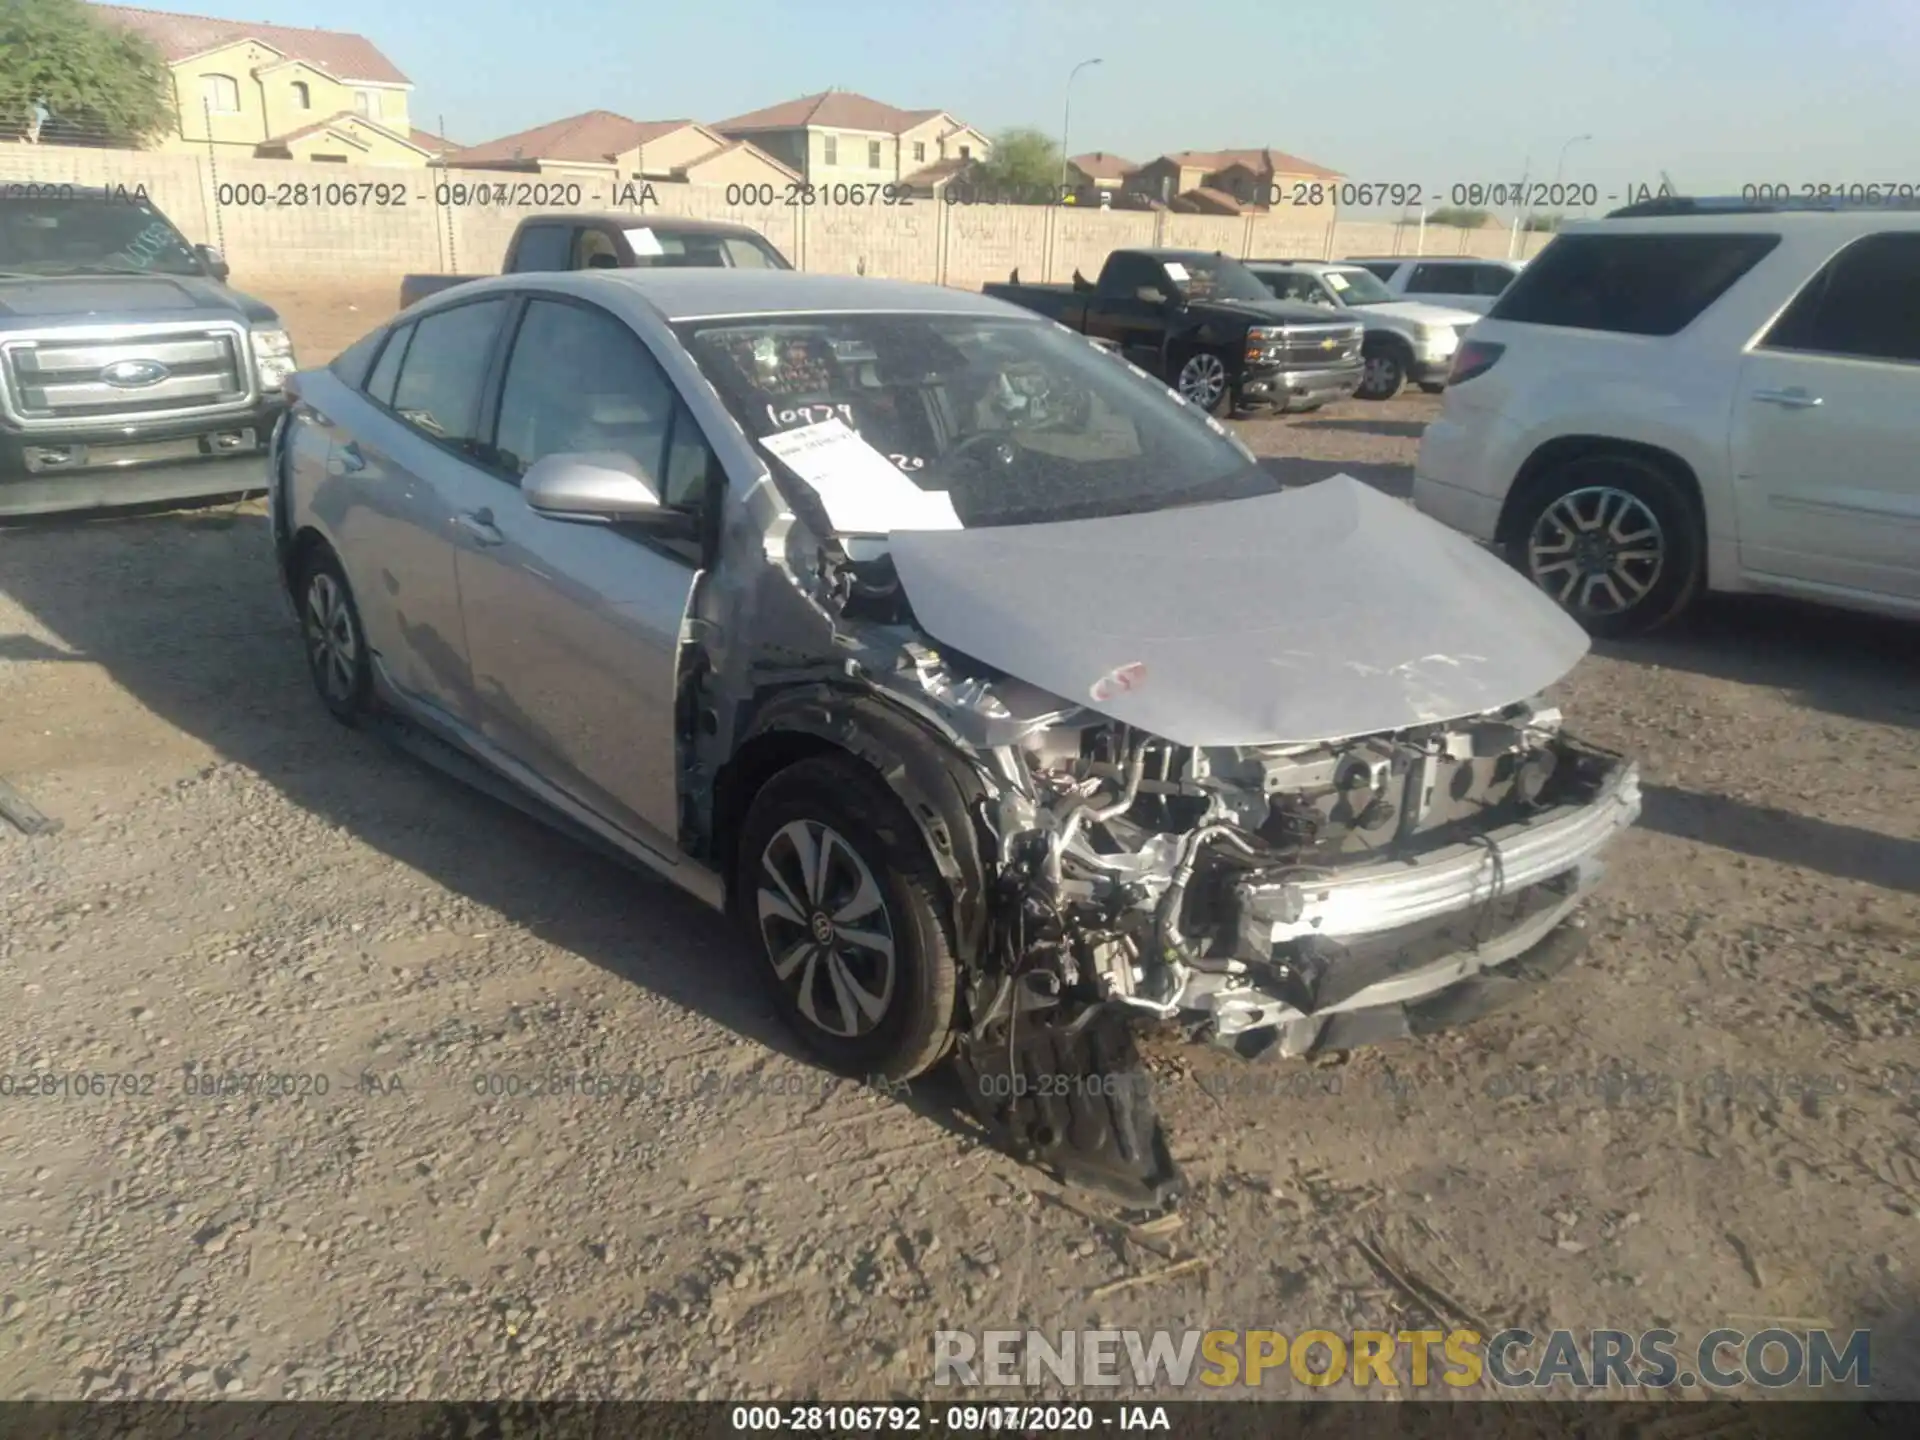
(1738, 218)
(707, 294)
(672, 224)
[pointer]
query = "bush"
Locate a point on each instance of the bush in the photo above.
(1460, 219)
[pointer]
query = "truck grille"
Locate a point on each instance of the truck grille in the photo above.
(1323, 345)
(62, 379)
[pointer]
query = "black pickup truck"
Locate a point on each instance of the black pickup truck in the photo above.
(131, 373)
(617, 242)
(1201, 322)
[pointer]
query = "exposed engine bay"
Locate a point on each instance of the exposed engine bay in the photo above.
(1288, 816)
(1274, 899)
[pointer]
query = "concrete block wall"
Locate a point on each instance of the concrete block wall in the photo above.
(439, 223)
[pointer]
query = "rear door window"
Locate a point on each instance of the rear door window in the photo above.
(387, 369)
(1865, 303)
(1434, 279)
(542, 248)
(438, 392)
(1488, 280)
(1630, 284)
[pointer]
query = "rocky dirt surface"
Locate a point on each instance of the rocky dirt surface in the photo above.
(1710, 1121)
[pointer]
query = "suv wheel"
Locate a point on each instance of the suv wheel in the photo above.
(843, 905)
(1203, 379)
(1383, 370)
(336, 643)
(1614, 540)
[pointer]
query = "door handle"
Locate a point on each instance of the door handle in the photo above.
(479, 524)
(346, 460)
(1794, 399)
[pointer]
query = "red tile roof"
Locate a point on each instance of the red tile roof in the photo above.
(1099, 165)
(343, 55)
(594, 137)
(1210, 201)
(1265, 160)
(831, 109)
(427, 140)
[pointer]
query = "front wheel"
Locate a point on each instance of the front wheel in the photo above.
(844, 907)
(335, 642)
(1203, 379)
(1614, 540)
(1383, 372)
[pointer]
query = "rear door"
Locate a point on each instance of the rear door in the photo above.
(1826, 428)
(575, 629)
(396, 484)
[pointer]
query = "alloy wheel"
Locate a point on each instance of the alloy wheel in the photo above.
(333, 645)
(823, 918)
(1597, 549)
(1379, 374)
(1203, 380)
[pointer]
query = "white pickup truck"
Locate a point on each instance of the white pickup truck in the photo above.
(1405, 339)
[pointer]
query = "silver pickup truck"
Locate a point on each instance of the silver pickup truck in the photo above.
(130, 372)
(617, 242)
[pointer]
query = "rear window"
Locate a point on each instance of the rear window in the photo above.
(1629, 284)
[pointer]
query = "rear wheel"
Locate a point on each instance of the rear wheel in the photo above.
(335, 642)
(845, 909)
(1433, 387)
(1203, 379)
(1615, 540)
(1383, 370)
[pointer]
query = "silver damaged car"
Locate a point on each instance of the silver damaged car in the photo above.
(1006, 701)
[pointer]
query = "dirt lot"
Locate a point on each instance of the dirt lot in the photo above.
(1711, 1121)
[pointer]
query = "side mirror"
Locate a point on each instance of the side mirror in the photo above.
(602, 489)
(215, 262)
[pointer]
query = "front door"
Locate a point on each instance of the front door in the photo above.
(398, 473)
(1117, 313)
(575, 629)
(1826, 429)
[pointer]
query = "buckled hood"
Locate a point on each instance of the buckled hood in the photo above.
(1313, 614)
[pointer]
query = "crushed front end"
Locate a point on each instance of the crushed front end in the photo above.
(1275, 900)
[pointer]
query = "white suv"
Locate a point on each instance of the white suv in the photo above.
(1463, 282)
(1692, 395)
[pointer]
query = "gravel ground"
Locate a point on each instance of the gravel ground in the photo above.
(1710, 1121)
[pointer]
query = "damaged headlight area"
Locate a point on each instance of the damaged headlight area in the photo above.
(1277, 899)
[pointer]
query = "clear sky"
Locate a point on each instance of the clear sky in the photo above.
(1716, 92)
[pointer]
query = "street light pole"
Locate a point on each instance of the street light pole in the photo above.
(1066, 117)
(1560, 164)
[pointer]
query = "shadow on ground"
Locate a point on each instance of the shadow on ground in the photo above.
(1845, 852)
(183, 612)
(1862, 667)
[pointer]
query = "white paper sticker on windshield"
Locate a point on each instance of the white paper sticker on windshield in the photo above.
(1177, 272)
(862, 491)
(644, 242)
(1336, 280)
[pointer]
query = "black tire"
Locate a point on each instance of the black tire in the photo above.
(1386, 363)
(1433, 387)
(1222, 396)
(913, 1025)
(1572, 492)
(335, 641)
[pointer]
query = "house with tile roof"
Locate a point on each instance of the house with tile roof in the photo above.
(1223, 182)
(602, 144)
(1098, 176)
(837, 136)
(247, 88)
